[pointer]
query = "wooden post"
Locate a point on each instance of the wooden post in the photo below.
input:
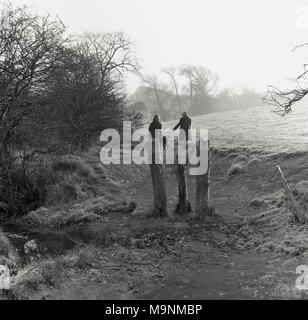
(159, 187)
(183, 206)
(296, 209)
(202, 204)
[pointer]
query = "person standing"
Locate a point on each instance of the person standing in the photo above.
(156, 125)
(184, 124)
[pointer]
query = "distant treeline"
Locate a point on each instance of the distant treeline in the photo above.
(192, 89)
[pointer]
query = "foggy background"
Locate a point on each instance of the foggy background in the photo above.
(244, 42)
(238, 48)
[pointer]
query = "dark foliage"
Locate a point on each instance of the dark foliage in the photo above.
(56, 95)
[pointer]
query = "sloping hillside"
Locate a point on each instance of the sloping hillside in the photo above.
(256, 128)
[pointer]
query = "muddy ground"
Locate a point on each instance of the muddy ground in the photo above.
(246, 250)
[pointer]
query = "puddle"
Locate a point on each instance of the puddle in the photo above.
(53, 242)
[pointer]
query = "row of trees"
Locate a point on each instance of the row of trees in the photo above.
(195, 83)
(192, 89)
(57, 92)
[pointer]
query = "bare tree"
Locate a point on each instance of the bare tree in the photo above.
(30, 46)
(205, 82)
(201, 84)
(113, 53)
(283, 100)
(171, 72)
(188, 73)
(86, 92)
(152, 81)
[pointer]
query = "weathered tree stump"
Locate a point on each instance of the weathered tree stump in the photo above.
(183, 207)
(159, 187)
(202, 201)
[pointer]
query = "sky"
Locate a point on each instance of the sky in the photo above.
(245, 42)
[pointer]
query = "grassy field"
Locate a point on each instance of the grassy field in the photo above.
(256, 128)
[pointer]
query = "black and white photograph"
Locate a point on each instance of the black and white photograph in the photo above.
(153, 151)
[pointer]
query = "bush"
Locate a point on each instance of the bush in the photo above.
(56, 96)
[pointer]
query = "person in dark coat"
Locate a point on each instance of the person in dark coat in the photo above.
(156, 125)
(184, 124)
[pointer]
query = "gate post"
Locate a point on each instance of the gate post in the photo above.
(159, 187)
(202, 201)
